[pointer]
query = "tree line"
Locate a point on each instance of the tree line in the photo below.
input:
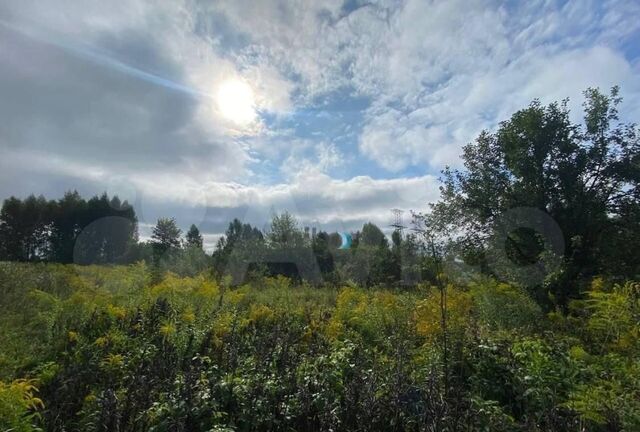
(99, 230)
(104, 230)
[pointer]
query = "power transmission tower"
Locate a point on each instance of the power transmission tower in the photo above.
(397, 221)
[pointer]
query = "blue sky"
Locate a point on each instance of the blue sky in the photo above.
(336, 111)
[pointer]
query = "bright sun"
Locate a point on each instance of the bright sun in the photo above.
(235, 101)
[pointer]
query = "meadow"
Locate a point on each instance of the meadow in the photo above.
(111, 348)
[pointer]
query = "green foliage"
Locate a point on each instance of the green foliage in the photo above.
(614, 316)
(608, 398)
(372, 236)
(193, 238)
(165, 236)
(584, 178)
(113, 350)
(505, 307)
(18, 406)
(284, 231)
(70, 230)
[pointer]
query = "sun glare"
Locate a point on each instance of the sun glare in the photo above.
(235, 101)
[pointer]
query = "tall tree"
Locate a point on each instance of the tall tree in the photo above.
(11, 235)
(288, 252)
(373, 236)
(583, 177)
(71, 229)
(24, 229)
(165, 236)
(369, 261)
(122, 233)
(322, 251)
(69, 220)
(193, 238)
(109, 229)
(285, 231)
(237, 239)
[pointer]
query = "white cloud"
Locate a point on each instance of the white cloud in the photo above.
(435, 73)
(310, 156)
(456, 68)
(435, 133)
(310, 194)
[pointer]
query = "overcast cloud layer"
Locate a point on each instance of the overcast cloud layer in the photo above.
(356, 106)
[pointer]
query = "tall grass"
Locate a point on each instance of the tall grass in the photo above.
(106, 348)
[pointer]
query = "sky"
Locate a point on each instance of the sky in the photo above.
(336, 111)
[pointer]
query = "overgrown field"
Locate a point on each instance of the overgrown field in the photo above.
(104, 348)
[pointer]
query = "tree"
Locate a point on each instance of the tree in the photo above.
(165, 236)
(408, 258)
(584, 178)
(322, 252)
(237, 240)
(11, 236)
(109, 227)
(288, 252)
(194, 238)
(285, 231)
(24, 229)
(373, 236)
(100, 230)
(369, 261)
(68, 220)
